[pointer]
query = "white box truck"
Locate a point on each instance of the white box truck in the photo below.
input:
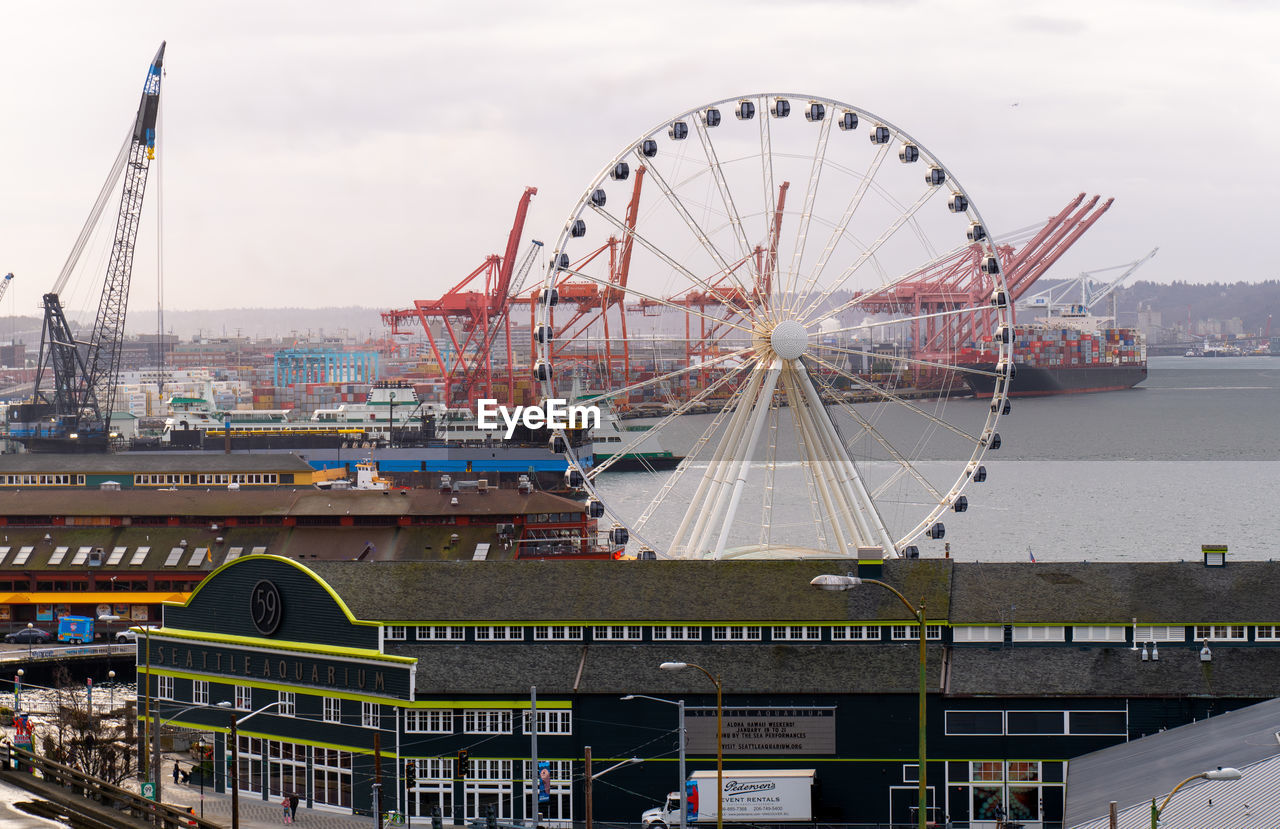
(777, 796)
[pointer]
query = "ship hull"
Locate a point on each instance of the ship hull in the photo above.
(1038, 381)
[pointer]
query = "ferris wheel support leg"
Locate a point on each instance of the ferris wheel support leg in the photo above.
(871, 523)
(764, 401)
(696, 516)
(812, 459)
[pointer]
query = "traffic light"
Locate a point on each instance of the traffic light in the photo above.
(464, 762)
(410, 773)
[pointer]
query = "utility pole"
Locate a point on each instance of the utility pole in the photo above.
(586, 755)
(377, 777)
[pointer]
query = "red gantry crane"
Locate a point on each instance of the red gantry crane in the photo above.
(472, 318)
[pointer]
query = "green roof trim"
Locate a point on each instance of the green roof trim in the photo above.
(275, 644)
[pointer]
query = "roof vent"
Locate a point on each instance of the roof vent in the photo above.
(453, 502)
(1215, 555)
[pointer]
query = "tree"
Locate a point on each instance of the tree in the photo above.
(96, 742)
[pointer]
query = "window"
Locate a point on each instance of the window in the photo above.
(332, 710)
(428, 721)
(1112, 723)
(1160, 633)
(486, 722)
(164, 687)
(978, 633)
(288, 703)
(396, 633)
(912, 632)
(677, 633)
(845, 633)
(1221, 632)
(200, 691)
(797, 633)
(244, 697)
(439, 633)
(617, 632)
(557, 633)
(986, 770)
(737, 633)
(499, 633)
(1039, 633)
(975, 722)
(550, 722)
(1268, 632)
(1097, 633)
(1036, 722)
(369, 715)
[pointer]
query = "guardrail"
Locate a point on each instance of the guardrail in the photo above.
(19, 765)
(63, 653)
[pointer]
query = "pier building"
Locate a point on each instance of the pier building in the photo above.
(425, 673)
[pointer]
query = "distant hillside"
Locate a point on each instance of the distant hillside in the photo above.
(1250, 301)
(358, 323)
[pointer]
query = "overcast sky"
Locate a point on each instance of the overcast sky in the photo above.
(332, 153)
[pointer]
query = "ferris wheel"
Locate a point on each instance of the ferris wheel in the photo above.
(811, 310)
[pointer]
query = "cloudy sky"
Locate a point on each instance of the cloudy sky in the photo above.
(334, 153)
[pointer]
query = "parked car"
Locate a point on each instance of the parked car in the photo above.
(131, 634)
(33, 636)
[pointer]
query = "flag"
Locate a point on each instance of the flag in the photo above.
(1032, 555)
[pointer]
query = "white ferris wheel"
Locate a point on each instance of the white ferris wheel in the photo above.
(761, 275)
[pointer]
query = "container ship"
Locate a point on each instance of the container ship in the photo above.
(1068, 354)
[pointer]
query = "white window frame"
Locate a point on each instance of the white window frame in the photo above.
(617, 633)
(1266, 633)
(200, 691)
(550, 721)
(977, 633)
(499, 633)
(855, 633)
(331, 709)
(557, 633)
(428, 720)
(1062, 714)
(1039, 633)
(244, 697)
(441, 633)
(370, 715)
(736, 633)
(911, 633)
(1098, 633)
(486, 721)
(1222, 633)
(288, 706)
(1160, 633)
(946, 722)
(796, 633)
(164, 687)
(677, 633)
(395, 633)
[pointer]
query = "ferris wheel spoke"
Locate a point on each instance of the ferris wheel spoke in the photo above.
(726, 196)
(659, 379)
(888, 395)
(867, 254)
(838, 231)
(806, 211)
(954, 312)
(675, 306)
(770, 475)
(904, 463)
(683, 408)
(911, 361)
(694, 228)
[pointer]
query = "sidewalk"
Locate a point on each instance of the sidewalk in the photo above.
(258, 814)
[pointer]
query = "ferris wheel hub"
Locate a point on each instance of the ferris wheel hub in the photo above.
(788, 339)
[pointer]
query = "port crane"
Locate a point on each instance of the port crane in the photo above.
(467, 322)
(1090, 293)
(75, 380)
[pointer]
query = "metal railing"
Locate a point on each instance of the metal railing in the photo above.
(18, 766)
(63, 653)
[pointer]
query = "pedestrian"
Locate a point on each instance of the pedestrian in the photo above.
(288, 813)
(176, 772)
(293, 805)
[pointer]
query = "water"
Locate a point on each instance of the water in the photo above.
(1190, 457)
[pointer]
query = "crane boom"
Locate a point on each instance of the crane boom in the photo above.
(84, 374)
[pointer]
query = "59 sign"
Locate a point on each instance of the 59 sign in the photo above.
(266, 607)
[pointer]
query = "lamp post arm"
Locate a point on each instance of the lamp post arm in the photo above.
(914, 610)
(1156, 812)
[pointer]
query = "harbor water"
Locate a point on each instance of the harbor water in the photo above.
(1189, 457)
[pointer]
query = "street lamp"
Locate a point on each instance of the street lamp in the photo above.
(1214, 774)
(680, 704)
(680, 666)
(829, 582)
(589, 778)
(235, 757)
(111, 678)
(17, 691)
(30, 638)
